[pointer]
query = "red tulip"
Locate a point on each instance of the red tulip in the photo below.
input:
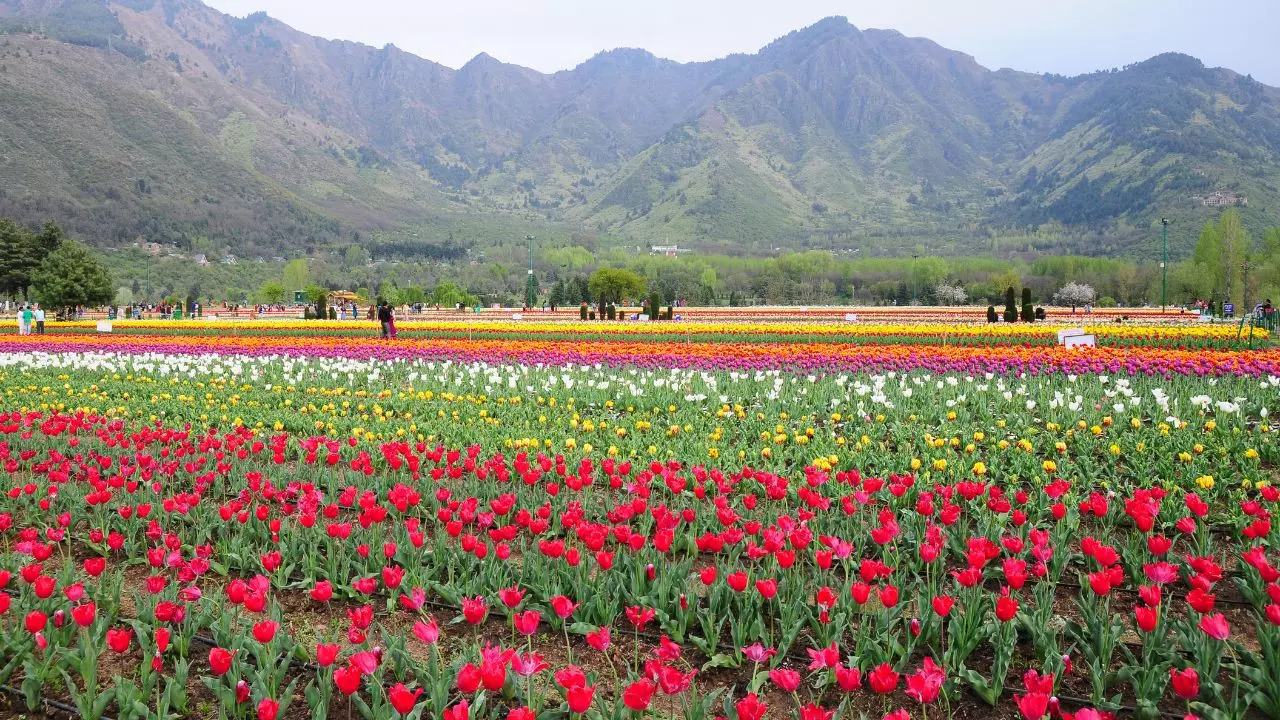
(1215, 626)
(403, 699)
(118, 639)
(750, 707)
(1033, 705)
(35, 621)
(322, 592)
(526, 623)
(219, 661)
(571, 676)
(95, 566)
(347, 679)
(265, 631)
(849, 679)
(883, 680)
(461, 711)
(392, 576)
(1186, 683)
(1146, 617)
(85, 614)
(1006, 608)
(924, 685)
(267, 709)
(563, 606)
(767, 588)
(815, 712)
(942, 605)
(640, 616)
(638, 695)
(889, 596)
(599, 639)
(580, 698)
(327, 654)
(428, 632)
(474, 610)
(511, 597)
(787, 680)
(469, 678)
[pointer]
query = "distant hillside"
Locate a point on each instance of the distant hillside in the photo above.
(169, 121)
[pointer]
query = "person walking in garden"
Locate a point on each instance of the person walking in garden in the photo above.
(384, 317)
(27, 317)
(391, 321)
(38, 313)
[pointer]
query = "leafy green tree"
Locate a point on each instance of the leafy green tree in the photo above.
(71, 276)
(1209, 260)
(271, 292)
(413, 295)
(388, 292)
(355, 255)
(297, 276)
(319, 297)
(1235, 250)
(612, 285)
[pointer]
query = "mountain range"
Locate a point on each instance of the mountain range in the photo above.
(167, 121)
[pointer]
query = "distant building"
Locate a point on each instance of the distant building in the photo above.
(1224, 199)
(668, 250)
(229, 260)
(201, 259)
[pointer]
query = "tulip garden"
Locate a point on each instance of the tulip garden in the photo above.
(275, 522)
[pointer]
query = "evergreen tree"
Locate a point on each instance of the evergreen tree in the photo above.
(71, 276)
(1010, 306)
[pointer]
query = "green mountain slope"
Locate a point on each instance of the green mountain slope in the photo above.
(167, 121)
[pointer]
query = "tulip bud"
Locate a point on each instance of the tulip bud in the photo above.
(1055, 707)
(242, 691)
(59, 618)
(915, 627)
(377, 654)
(684, 602)
(1066, 664)
(650, 572)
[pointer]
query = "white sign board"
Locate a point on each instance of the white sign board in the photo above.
(1075, 341)
(851, 317)
(1068, 332)
(104, 326)
(517, 316)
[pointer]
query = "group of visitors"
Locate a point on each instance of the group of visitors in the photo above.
(30, 316)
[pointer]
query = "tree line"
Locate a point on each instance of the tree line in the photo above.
(45, 266)
(1228, 264)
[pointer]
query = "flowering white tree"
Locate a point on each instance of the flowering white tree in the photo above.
(1074, 294)
(950, 294)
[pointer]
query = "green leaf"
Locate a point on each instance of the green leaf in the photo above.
(721, 660)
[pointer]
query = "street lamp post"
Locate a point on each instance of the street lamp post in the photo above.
(529, 282)
(915, 280)
(1164, 264)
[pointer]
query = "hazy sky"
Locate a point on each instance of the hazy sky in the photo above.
(1062, 36)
